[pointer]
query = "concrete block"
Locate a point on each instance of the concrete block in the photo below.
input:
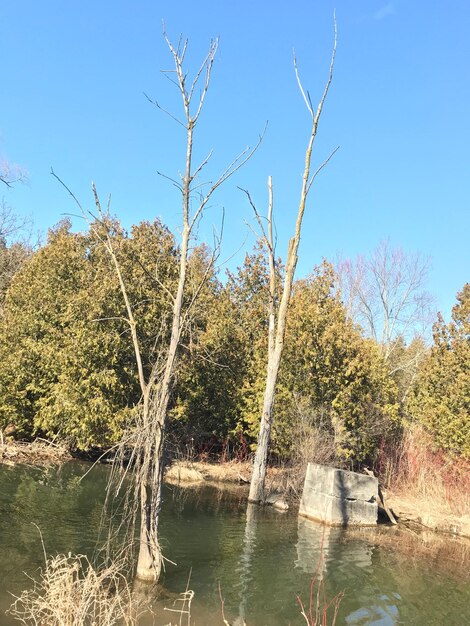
(339, 497)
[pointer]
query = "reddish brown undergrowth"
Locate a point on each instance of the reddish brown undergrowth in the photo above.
(415, 468)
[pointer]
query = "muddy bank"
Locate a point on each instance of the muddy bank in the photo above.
(426, 514)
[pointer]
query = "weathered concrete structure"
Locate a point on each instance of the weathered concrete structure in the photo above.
(339, 497)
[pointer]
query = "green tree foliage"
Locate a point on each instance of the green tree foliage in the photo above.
(12, 258)
(441, 396)
(67, 366)
(248, 292)
(207, 402)
(327, 366)
(57, 369)
(342, 376)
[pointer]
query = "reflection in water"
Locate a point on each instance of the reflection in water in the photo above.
(313, 543)
(245, 564)
(346, 559)
(260, 558)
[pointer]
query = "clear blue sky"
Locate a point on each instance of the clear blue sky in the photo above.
(72, 83)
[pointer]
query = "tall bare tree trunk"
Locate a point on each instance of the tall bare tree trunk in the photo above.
(150, 557)
(148, 434)
(277, 323)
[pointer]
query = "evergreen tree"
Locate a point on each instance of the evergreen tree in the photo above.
(441, 396)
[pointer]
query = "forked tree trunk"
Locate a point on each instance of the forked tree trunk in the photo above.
(149, 563)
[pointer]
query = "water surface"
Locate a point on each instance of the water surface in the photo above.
(258, 560)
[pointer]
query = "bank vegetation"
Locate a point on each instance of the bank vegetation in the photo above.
(68, 373)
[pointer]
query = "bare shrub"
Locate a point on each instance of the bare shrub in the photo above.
(313, 440)
(70, 591)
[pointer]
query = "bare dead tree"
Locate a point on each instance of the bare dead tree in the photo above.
(15, 246)
(277, 312)
(385, 294)
(145, 437)
(159, 388)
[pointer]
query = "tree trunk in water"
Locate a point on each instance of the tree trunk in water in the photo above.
(277, 328)
(258, 476)
(149, 563)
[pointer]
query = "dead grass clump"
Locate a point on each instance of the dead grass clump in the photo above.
(313, 440)
(183, 472)
(71, 592)
(37, 452)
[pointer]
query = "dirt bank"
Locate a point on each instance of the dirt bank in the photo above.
(428, 515)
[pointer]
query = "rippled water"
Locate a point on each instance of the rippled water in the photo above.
(258, 560)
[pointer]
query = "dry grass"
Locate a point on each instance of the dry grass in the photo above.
(183, 472)
(38, 452)
(71, 592)
(313, 441)
(195, 471)
(415, 470)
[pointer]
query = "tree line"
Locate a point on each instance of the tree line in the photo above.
(68, 372)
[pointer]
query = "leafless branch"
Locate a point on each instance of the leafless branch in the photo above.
(172, 180)
(307, 100)
(169, 113)
(110, 319)
(74, 197)
(319, 169)
(201, 166)
(237, 163)
(11, 174)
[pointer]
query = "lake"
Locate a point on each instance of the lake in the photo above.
(258, 560)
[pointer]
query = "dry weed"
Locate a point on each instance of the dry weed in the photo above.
(71, 592)
(37, 452)
(314, 440)
(413, 467)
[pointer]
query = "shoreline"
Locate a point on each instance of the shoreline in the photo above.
(409, 511)
(36, 453)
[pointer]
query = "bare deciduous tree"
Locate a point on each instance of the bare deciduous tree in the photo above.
(277, 312)
(385, 294)
(11, 174)
(15, 246)
(145, 438)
